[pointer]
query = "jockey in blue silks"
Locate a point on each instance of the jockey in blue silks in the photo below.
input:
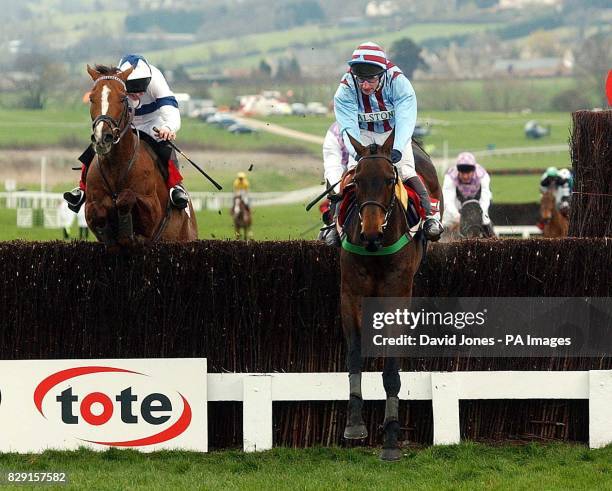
(154, 106)
(373, 98)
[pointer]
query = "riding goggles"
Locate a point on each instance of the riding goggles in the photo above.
(137, 85)
(371, 80)
(466, 167)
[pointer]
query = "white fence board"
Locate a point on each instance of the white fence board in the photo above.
(444, 389)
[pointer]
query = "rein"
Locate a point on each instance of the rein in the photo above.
(118, 129)
(124, 171)
(397, 245)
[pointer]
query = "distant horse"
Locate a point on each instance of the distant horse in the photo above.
(555, 223)
(378, 259)
(471, 224)
(127, 200)
(241, 215)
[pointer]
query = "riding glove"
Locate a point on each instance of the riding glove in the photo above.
(396, 156)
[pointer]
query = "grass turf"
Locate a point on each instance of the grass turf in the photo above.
(269, 223)
(462, 131)
(465, 466)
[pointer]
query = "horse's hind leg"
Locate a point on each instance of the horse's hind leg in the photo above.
(391, 427)
(355, 427)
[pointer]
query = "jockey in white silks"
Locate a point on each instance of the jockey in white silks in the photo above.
(154, 106)
(464, 181)
(336, 161)
(336, 157)
(561, 183)
(373, 98)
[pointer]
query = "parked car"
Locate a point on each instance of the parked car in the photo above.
(316, 109)
(239, 129)
(298, 109)
(221, 119)
(203, 113)
(280, 108)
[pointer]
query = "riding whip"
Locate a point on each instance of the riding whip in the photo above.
(215, 183)
(318, 198)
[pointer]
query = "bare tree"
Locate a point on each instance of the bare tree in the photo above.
(44, 76)
(593, 61)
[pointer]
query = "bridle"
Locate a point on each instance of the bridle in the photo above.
(118, 129)
(386, 209)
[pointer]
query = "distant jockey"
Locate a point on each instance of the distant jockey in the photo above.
(155, 106)
(561, 183)
(464, 181)
(241, 188)
(373, 98)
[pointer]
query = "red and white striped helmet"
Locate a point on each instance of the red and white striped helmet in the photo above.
(371, 54)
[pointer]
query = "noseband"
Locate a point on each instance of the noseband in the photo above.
(118, 129)
(386, 209)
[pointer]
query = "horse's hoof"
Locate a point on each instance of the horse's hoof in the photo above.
(391, 454)
(355, 432)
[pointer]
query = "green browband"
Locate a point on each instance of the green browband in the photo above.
(384, 251)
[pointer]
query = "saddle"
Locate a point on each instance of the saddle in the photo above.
(161, 153)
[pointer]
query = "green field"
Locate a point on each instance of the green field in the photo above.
(472, 131)
(463, 131)
(269, 223)
(465, 467)
(71, 128)
(215, 55)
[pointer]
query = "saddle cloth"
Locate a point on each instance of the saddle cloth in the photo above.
(407, 196)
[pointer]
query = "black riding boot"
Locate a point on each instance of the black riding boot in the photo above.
(179, 197)
(75, 199)
(432, 226)
(329, 234)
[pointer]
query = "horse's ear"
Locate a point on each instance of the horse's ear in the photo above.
(388, 145)
(125, 73)
(93, 73)
(359, 148)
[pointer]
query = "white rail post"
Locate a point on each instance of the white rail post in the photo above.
(257, 413)
(445, 405)
(600, 408)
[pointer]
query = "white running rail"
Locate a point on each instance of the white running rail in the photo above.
(445, 389)
(525, 231)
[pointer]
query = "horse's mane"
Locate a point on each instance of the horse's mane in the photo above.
(106, 70)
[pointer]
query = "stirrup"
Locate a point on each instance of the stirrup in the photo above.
(75, 199)
(179, 197)
(433, 228)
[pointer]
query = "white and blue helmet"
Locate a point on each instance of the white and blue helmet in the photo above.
(139, 79)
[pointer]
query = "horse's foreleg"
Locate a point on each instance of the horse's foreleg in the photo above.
(125, 229)
(355, 427)
(391, 427)
(98, 220)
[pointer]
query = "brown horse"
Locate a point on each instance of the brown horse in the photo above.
(126, 200)
(241, 215)
(378, 259)
(555, 223)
